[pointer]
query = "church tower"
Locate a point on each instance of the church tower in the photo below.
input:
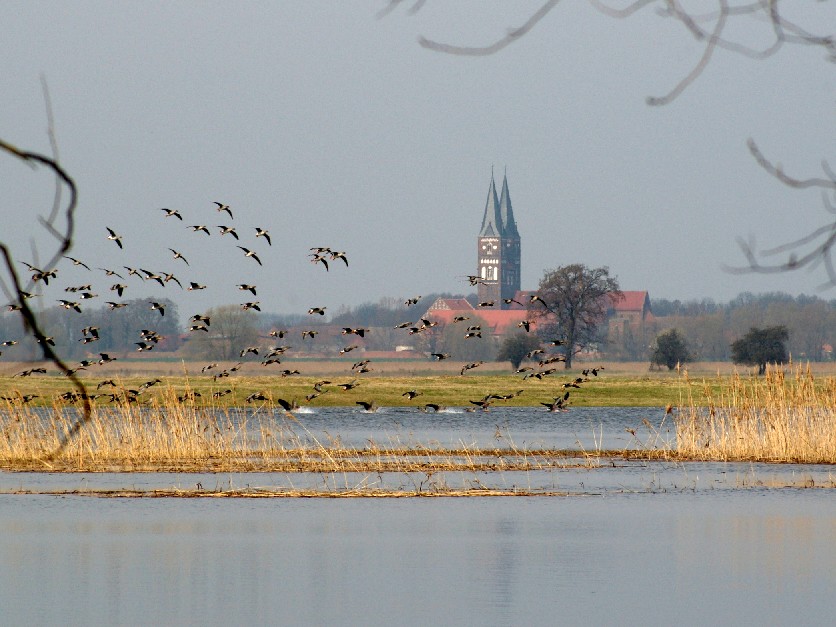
(498, 248)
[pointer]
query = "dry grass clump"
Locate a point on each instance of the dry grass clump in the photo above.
(779, 417)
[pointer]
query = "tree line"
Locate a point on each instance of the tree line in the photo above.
(709, 329)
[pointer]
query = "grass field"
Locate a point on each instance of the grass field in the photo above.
(619, 384)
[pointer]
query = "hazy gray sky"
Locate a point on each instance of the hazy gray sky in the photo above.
(330, 127)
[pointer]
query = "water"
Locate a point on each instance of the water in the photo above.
(643, 544)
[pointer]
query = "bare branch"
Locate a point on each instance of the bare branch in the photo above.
(778, 172)
(513, 35)
(29, 319)
(710, 46)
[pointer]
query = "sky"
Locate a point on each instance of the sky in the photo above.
(331, 126)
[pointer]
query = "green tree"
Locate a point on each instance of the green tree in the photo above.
(572, 303)
(515, 347)
(670, 349)
(761, 346)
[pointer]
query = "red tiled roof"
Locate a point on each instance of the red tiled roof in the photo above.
(632, 301)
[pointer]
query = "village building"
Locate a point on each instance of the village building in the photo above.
(502, 303)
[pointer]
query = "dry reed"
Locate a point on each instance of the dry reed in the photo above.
(780, 417)
(168, 435)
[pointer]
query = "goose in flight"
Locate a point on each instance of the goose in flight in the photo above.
(76, 262)
(228, 229)
(253, 305)
(222, 207)
(200, 318)
(169, 213)
(113, 305)
(319, 258)
(200, 227)
(367, 405)
(195, 286)
(245, 286)
(111, 235)
(259, 232)
(339, 255)
(158, 307)
(179, 256)
(250, 253)
(168, 276)
(412, 301)
(118, 288)
(317, 310)
(111, 273)
(69, 304)
(471, 365)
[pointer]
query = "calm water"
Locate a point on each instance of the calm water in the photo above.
(641, 544)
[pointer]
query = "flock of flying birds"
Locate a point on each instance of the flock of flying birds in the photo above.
(149, 338)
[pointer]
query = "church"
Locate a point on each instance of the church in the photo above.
(498, 271)
(498, 250)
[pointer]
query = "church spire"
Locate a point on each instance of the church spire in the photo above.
(506, 212)
(492, 220)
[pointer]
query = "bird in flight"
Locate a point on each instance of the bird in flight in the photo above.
(253, 305)
(339, 255)
(250, 253)
(245, 286)
(199, 227)
(317, 310)
(222, 207)
(179, 256)
(158, 307)
(228, 229)
(169, 213)
(259, 232)
(76, 262)
(69, 304)
(113, 236)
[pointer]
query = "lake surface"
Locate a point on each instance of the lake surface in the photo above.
(635, 544)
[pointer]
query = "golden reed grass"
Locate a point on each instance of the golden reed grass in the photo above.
(784, 416)
(168, 435)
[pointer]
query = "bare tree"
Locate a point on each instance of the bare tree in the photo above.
(571, 305)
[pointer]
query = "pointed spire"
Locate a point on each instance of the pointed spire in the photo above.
(492, 220)
(506, 212)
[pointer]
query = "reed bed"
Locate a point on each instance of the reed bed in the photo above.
(784, 416)
(168, 435)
